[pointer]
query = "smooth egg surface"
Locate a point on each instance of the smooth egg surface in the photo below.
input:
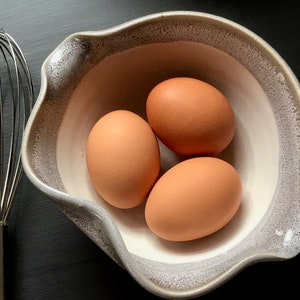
(123, 159)
(193, 199)
(190, 116)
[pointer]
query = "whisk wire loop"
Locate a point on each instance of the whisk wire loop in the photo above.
(16, 99)
(6, 175)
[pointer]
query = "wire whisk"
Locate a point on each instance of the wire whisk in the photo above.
(16, 102)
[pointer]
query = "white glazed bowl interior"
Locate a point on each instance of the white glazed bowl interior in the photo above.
(92, 73)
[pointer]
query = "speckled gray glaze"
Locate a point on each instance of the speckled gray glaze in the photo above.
(276, 235)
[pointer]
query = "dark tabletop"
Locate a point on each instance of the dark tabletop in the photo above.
(49, 257)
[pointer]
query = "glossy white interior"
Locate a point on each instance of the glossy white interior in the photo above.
(123, 80)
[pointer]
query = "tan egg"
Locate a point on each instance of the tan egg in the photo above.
(193, 199)
(123, 159)
(190, 116)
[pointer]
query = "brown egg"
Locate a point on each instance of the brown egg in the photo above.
(193, 199)
(123, 158)
(190, 116)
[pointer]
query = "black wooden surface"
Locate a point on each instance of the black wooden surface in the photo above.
(49, 257)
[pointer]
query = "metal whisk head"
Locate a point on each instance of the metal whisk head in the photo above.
(16, 101)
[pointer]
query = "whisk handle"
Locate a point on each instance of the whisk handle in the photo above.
(3, 229)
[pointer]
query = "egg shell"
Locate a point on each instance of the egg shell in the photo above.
(123, 159)
(190, 116)
(193, 199)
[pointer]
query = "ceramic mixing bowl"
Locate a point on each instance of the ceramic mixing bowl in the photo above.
(92, 73)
